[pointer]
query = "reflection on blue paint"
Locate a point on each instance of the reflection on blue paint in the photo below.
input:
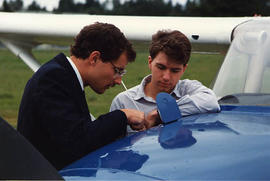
(175, 136)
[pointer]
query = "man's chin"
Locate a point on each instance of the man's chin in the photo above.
(101, 91)
(165, 90)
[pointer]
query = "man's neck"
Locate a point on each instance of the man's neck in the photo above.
(150, 90)
(76, 62)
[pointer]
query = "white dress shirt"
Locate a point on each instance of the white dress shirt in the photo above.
(191, 96)
(79, 79)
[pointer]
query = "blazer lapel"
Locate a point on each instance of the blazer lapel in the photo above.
(76, 87)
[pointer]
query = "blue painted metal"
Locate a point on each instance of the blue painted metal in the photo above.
(232, 145)
(167, 108)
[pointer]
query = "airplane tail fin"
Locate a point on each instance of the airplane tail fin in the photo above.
(20, 160)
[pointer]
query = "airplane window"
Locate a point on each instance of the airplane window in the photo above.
(246, 68)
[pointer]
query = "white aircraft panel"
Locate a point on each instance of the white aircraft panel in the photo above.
(210, 30)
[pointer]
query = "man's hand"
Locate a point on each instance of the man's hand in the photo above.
(135, 119)
(152, 119)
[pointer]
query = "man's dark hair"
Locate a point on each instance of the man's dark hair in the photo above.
(105, 38)
(173, 43)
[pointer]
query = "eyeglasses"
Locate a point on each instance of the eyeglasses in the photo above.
(118, 71)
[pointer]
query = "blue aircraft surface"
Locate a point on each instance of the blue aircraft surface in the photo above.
(233, 144)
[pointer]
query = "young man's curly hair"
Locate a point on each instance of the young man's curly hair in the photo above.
(173, 43)
(105, 38)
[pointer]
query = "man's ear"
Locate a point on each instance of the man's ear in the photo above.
(185, 67)
(93, 57)
(150, 60)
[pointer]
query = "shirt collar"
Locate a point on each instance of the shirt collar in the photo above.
(140, 94)
(176, 89)
(146, 80)
(77, 72)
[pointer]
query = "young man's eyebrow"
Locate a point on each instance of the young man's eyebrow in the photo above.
(176, 68)
(160, 65)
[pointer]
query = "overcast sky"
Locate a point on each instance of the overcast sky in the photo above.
(50, 4)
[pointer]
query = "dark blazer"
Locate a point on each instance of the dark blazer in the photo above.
(54, 115)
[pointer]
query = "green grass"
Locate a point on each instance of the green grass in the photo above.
(14, 74)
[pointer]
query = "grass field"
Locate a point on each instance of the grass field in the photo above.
(14, 74)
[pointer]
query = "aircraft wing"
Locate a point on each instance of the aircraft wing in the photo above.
(20, 32)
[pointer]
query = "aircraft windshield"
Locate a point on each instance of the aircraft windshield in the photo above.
(246, 68)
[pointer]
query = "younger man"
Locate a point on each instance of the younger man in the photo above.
(168, 60)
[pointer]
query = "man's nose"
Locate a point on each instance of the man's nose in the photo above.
(166, 75)
(118, 80)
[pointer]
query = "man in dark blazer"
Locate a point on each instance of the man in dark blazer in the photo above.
(54, 114)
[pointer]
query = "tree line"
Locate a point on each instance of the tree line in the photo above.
(202, 8)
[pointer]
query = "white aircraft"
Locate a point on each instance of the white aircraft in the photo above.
(247, 58)
(243, 78)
